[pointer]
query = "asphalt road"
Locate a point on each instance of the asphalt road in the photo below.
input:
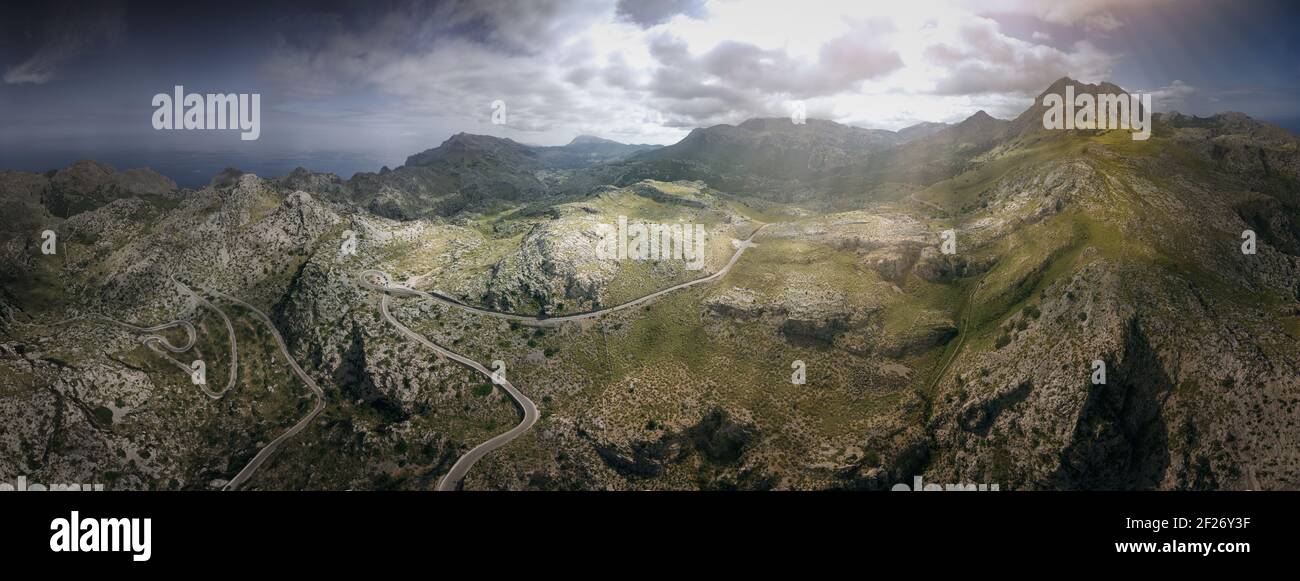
(454, 477)
(163, 346)
(267, 451)
(452, 480)
(549, 321)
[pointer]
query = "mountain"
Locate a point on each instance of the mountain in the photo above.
(586, 151)
(31, 198)
(939, 153)
(775, 148)
(470, 172)
(1075, 252)
(464, 171)
(978, 129)
(1031, 119)
(819, 162)
(919, 130)
(463, 149)
(86, 185)
(773, 158)
(592, 140)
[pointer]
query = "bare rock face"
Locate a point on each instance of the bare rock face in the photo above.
(893, 263)
(735, 302)
(1034, 194)
(142, 181)
(929, 331)
(814, 313)
(937, 267)
(719, 441)
(326, 185)
(226, 178)
(556, 265)
(805, 310)
(1236, 143)
(1029, 415)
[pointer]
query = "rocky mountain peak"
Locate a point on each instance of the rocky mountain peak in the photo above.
(592, 140)
(462, 145)
(83, 176)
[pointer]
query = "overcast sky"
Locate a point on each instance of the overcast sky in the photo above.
(375, 81)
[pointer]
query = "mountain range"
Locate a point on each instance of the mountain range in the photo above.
(1073, 251)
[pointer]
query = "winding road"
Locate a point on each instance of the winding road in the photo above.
(553, 321)
(265, 453)
(454, 477)
(162, 345)
(384, 285)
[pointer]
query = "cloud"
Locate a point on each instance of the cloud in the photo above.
(982, 60)
(649, 13)
(638, 72)
(69, 32)
(1172, 97)
(1094, 16)
(1074, 12)
(1101, 22)
(735, 80)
